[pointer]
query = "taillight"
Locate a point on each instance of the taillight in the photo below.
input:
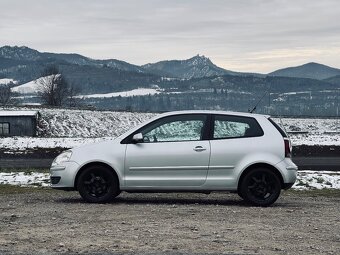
(288, 152)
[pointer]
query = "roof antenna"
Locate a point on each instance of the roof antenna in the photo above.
(253, 110)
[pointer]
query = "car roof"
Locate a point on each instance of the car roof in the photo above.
(245, 114)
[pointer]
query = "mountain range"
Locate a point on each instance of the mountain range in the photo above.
(24, 64)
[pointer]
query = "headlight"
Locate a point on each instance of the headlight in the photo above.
(65, 156)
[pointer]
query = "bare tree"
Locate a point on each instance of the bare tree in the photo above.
(72, 99)
(53, 88)
(6, 95)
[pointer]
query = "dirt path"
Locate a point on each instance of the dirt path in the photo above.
(54, 222)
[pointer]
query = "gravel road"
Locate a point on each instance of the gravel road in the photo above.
(44, 221)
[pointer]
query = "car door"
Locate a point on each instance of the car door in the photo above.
(172, 154)
(233, 139)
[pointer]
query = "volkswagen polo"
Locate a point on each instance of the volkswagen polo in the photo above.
(185, 151)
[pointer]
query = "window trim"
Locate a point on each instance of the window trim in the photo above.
(9, 129)
(205, 132)
(236, 137)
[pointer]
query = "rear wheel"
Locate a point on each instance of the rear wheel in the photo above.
(260, 187)
(98, 184)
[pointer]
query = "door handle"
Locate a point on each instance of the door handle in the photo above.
(199, 148)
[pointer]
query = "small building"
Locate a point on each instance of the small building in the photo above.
(18, 123)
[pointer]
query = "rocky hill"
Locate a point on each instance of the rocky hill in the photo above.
(309, 70)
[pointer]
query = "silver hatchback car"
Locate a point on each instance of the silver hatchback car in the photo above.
(189, 151)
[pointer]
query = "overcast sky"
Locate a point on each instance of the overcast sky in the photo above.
(239, 35)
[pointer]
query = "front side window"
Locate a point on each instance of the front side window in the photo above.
(175, 129)
(4, 128)
(235, 127)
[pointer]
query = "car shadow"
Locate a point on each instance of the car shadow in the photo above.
(179, 201)
(174, 201)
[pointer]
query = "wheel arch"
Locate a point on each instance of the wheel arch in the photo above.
(95, 163)
(260, 165)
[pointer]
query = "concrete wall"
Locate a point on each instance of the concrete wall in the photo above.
(20, 125)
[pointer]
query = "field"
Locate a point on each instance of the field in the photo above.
(37, 220)
(69, 128)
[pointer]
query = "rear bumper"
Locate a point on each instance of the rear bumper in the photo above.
(287, 185)
(288, 171)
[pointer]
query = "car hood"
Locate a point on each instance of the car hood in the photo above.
(95, 145)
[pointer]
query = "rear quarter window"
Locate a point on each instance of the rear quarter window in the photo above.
(225, 126)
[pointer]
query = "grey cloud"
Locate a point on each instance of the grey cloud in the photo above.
(230, 32)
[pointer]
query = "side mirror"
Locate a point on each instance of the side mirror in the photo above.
(137, 138)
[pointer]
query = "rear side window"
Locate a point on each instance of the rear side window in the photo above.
(235, 127)
(283, 133)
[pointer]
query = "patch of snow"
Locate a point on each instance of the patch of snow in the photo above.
(315, 139)
(320, 131)
(25, 179)
(18, 113)
(27, 88)
(6, 81)
(31, 104)
(25, 97)
(295, 93)
(23, 143)
(32, 87)
(317, 180)
(129, 93)
(279, 99)
(169, 79)
(88, 124)
(71, 128)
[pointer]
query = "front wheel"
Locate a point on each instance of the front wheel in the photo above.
(260, 187)
(97, 184)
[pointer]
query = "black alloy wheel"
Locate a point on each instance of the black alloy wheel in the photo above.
(97, 184)
(260, 187)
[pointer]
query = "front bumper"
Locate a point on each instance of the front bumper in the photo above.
(63, 175)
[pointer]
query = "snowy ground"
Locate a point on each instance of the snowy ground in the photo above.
(129, 93)
(68, 128)
(25, 179)
(305, 131)
(6, 81)
(88, 124)
(27, 88)
(317, 180)
(306, 179)
(17, 144)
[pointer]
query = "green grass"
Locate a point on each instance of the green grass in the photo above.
(314, 192)
(25, 170)
(6, 189)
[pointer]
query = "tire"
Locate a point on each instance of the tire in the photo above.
(239, 193)
(260, 187)
(98, 184)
